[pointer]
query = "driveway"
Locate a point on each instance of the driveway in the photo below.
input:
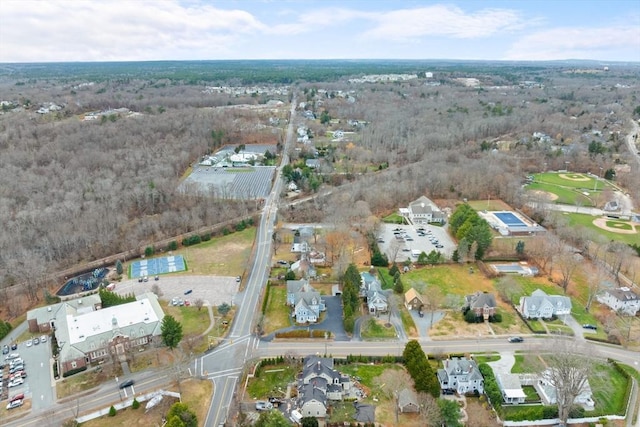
(423, 324)
(578, 330)
(332, 321)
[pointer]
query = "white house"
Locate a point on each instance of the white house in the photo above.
(541, 305)
(370, 288)
(460, 375)
(305, 300)
(423, 211)
(623, 300)
(510, 388)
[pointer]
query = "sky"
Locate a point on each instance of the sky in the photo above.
(141, 30)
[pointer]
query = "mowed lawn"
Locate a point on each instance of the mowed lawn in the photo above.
(489, 205)
(586, 221)
(277, 313)
(582, 181)
(450, 279)
(567, 196)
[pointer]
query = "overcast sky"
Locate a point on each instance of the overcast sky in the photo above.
(138, 30)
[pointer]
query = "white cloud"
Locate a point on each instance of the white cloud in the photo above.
(443, 20)
(135, 30)
(614, 43)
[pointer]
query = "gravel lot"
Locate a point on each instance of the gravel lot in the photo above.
(213, 290)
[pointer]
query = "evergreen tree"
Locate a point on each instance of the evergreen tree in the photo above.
(171, 331)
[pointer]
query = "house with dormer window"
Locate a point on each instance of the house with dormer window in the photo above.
(305, 301)
(460, 375)
(540, 305)
(320, 383)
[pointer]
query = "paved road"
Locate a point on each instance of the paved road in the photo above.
(224, 367)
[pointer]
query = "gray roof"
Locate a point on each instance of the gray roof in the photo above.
(459, 366)
(623, 294)
(480, 300)
(365, 413)
(407, 397)
(540, 299)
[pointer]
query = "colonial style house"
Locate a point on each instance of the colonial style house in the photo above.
(413, 300)
(87, 333)
(407, 401)
(318, 384)
(541, 305)
(305, 301)
(622, 300)
(423, 211)
(461, 376)
(483, 304)
(371, 290)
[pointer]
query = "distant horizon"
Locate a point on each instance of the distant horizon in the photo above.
(553, 61)
(65, 31)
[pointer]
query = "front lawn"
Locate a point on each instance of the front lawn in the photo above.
(609, 387)
(273, 381)
(277, 313)
(377, 329)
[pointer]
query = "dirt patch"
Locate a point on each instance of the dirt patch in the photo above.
(602, 223)
(574, 177)
(545, 195)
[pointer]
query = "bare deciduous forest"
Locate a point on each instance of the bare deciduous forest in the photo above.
(76, 190)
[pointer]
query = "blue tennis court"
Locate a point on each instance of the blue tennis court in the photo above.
(153, 266)
(509, 219)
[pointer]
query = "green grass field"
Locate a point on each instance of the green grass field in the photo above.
(586, 221)
(581, 180)
(450, 279)
(567, 196)
(277, 313)
(374, 329)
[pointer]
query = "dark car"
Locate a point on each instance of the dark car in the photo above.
(188, 291)
(127, 383)
(14, 346)
(588, 326)
(516, 339)
(156, 278)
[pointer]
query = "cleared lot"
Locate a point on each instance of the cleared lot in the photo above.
(213, 290)
(408, 241)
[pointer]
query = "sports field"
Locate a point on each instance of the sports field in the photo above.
(618, 230)
(569, 187)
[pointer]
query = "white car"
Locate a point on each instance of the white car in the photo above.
(16, 382)
(43, 338)
(29, 343)
(14, 404)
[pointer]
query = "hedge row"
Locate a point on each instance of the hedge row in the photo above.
(74, 371)
(303, 333)
(357, 358)
(625, 374)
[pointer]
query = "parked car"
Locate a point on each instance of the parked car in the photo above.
(19, 396)
(36, 341)
(127, 383)
(238, 279)
(187, 303)
(589, 326)
(15, 404)
(188, 291)
(16, 382)
(145, 279)
(29, 343)
(43, 338)
(516, 339)
(156, 278)
(14, 346)
(5, 349)
(139, 279)
(12, 356)
(16, 361)
(16, 369)
(261, 405)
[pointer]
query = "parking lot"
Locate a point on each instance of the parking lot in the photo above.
(408, 241)
(34, 360)
(213, 290)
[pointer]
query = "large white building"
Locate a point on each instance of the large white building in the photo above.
(86, 333)
(423, 211)
(623, 300)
